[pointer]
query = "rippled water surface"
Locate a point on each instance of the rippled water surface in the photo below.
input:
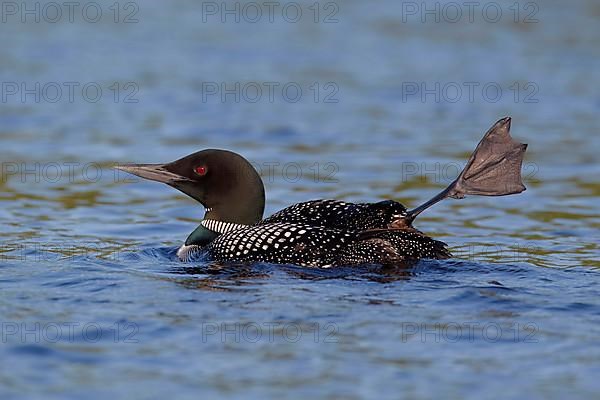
(93, 302)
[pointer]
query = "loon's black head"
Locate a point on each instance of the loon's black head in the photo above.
(224, 182)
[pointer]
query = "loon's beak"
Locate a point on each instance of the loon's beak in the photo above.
(153, 172)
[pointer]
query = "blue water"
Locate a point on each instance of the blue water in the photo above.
(94, 304)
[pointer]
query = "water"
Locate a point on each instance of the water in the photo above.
(93, 302)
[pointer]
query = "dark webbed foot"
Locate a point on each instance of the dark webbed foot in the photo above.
(494, 169)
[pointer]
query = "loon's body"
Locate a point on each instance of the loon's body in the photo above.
(320, 233)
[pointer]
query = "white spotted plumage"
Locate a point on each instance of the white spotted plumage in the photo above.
(290, 247)
(320, 233)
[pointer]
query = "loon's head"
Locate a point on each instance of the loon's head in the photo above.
(224, 182)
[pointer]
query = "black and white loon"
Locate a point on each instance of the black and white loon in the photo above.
(320, 233)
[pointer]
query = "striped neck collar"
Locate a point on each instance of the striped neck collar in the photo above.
(221, 226)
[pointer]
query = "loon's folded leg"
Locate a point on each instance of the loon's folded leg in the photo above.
(494, 169)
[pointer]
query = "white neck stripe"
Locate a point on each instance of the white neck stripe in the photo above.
(220, 226)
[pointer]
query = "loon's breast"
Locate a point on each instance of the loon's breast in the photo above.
(190, 252)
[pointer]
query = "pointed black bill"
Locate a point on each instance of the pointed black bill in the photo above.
(153, 172)
(494, 169)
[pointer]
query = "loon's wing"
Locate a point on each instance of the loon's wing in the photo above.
(401, 244)
(335, 214)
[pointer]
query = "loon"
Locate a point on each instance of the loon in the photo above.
(320, 233)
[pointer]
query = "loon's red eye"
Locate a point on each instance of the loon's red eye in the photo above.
(201, 170)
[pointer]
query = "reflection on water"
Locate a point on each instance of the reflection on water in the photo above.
(94, 303)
